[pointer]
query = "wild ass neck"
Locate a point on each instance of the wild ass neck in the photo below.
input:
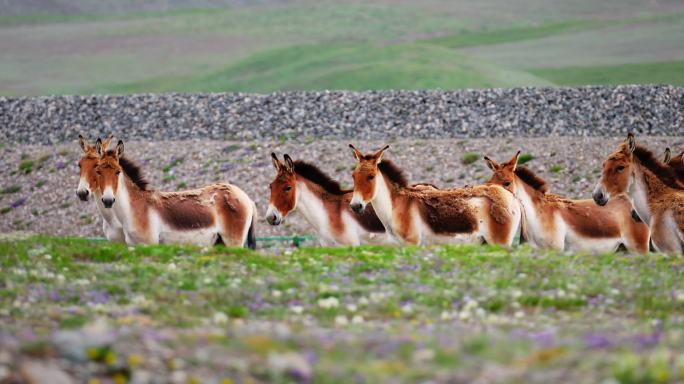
(527, 196)
(123, 209)
(311, 206)
(382, 201)
(639, 192)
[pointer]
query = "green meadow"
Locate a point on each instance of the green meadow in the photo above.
(341, 45)
(377, 314)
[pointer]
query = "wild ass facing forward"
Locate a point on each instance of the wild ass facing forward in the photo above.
(88, 187)
(215, 214)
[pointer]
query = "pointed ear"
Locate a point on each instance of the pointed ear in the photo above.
(82, 143)
(98, 147)
(378, 155)
(119, 148)
(289, 164)
(493, 165)
(357, 154)
(513, 162)
(106, 141)
(276, 163)
(668, 156)
(631, 142)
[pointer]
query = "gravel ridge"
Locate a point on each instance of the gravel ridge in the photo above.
(516, 112)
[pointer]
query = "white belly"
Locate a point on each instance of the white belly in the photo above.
(201, 237)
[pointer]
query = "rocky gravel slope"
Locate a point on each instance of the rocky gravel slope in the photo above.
(584, 111)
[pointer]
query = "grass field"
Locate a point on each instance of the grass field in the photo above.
(337, 45)
(330, 314)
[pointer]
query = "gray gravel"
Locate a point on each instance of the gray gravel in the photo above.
(530, 112)
(46, 201)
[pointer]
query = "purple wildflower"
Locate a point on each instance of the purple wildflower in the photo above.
(54, 296)
(60, 165)
(19, 202)
(544, 339)
(597, 341)
(647, 340)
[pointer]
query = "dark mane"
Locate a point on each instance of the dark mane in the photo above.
(666, 174)
(132, 170)
(678, 167)
(393, 173)
(530, 178)
(315, 175)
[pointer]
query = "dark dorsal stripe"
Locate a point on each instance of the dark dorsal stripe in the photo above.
(393, 173)
(316, 176)
(530, 178)
(132, 170)
(663, 172)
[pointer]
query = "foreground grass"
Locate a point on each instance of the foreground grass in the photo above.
(327, 313)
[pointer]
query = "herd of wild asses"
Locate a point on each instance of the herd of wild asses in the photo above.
(638, 205)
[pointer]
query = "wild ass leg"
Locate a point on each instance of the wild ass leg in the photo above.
(234, 218)
(664, 237)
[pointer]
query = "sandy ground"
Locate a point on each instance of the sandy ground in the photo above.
(46, 201)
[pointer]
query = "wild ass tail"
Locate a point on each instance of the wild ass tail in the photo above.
(251, 236)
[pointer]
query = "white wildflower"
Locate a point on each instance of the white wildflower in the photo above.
(330, 302)
(220, 318)
(423, 355)
(341, 320)
(297, 309)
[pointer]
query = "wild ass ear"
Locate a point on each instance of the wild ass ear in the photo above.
(119, 148)
(357, 154)
(513, 162)
(668, 156)
(380, 152)
(82, 143)
(289, 164)
(106, 141)
(631, 142)
(98, 147)
(276, 163)
(493, 165)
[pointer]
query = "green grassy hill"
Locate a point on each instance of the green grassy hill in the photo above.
(340, 45)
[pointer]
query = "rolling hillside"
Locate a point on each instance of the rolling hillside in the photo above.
(84, 46)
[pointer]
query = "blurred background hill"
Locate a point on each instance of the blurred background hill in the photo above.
(127, 46)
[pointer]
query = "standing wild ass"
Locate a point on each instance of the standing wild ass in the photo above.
(88, 186)
(652, 186)
(215, 214)
(324, 204)
(428, 215)
(551, 221)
